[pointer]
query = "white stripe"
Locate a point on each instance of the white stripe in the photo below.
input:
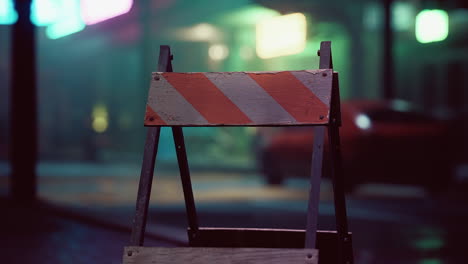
(250, 97)
(170, 105)
(315, 81)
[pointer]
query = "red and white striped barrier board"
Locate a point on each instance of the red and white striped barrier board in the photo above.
(239, 98)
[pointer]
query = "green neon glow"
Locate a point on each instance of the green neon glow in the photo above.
(8, 15)
(430, 261)
(68, 22)
(432, 25)
(402, 16)
(249, 15)
(429, 243)
(45, 12)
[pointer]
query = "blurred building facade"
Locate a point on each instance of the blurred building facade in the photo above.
(93, 83)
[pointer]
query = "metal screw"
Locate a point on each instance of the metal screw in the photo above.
(151, 119)
(129, 253)
(156, 78)
(179, 147)
(345, 239)
(321, 117)
(309, 255)
(324, 74)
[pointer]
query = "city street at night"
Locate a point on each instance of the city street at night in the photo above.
(93, 212)
(232, 132)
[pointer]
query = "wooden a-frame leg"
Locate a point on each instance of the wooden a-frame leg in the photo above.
(185, 178)
(317, 160)
(144, 188)
(149, 159)
(314, 193)
(345, 254)
(339, 194)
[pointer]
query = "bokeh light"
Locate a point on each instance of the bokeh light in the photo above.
(218, 52)
(281, 35)
(432, 25)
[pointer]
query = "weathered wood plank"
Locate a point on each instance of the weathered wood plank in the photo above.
(239, 98)
(140, 255)
(314, 189)
(327, 241)
(147, 168)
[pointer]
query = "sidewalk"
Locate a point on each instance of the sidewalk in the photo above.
(42, 234)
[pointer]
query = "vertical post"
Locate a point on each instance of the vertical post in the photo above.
(147, 169)
(23, 122)
(387, 73)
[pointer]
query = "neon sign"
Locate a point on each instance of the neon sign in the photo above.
(65, 17)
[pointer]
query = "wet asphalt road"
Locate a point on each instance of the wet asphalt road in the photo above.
(390, 224)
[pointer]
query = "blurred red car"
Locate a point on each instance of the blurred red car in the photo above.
(382, 141)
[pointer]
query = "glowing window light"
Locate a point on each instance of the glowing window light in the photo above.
(402, 16)
(68, 22)
(200, 32)
(203, 31)
(281, 35)
(432, 25)
(218, 52)
(8, 15)
(95, 11)
(100, 118)
(372, 16)
(45, 12)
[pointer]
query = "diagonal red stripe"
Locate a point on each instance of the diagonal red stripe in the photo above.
(153, 119)
(212, 104)
(293, 96)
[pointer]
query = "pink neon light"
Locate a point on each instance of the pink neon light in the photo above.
(95, 11)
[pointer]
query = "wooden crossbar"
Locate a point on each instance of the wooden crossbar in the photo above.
(240, 98)
(143, 255)
(268, 238)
